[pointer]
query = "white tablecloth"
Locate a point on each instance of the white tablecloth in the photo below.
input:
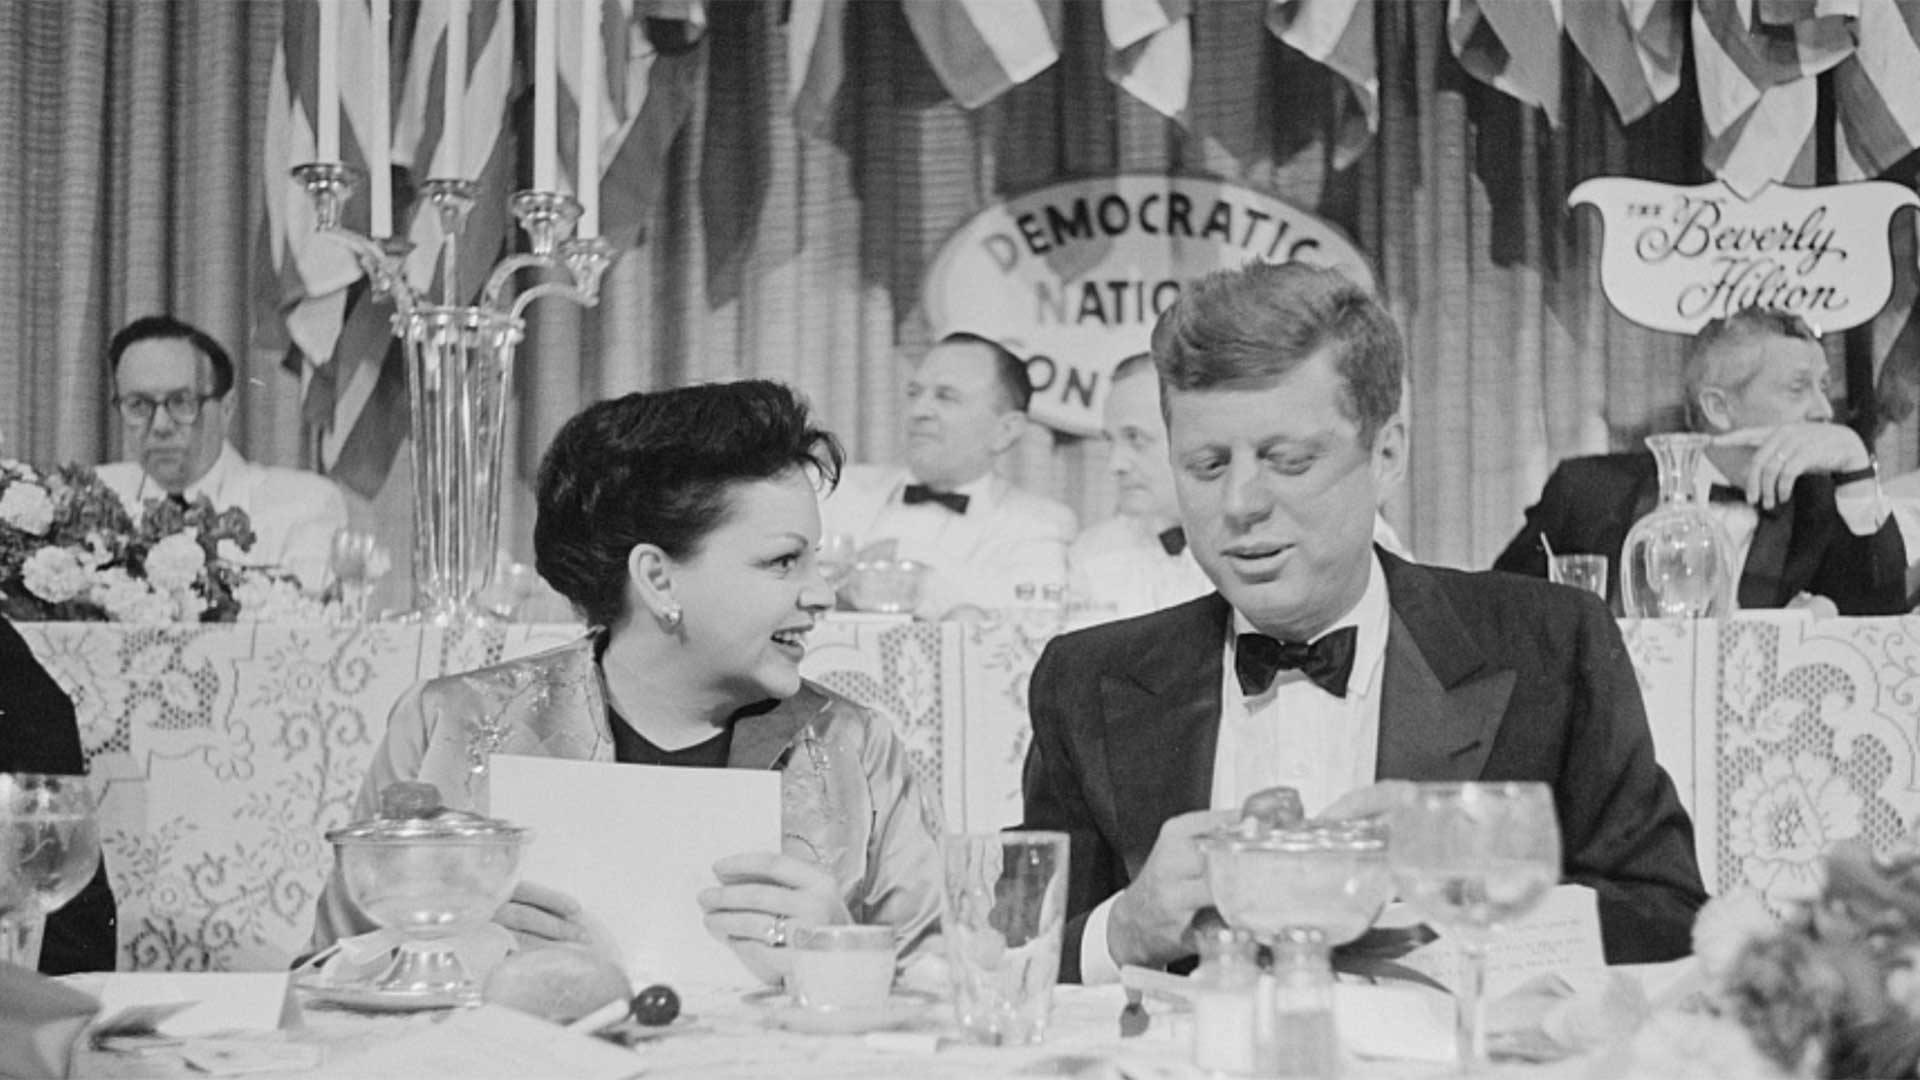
(230, 750)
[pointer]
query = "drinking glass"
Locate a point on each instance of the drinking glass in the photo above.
(358, 560)
(1004, 908)
(49, 849)
(1587, 572)
(1472, 858)
(838, 553)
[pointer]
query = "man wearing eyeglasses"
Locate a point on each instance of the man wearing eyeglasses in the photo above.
(1799, 494)
(173, 391)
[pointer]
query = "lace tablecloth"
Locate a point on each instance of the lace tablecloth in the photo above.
(230, 750)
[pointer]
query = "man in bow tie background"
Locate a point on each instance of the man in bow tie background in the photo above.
(1797, 492)
(988, 542)
(1323, 663)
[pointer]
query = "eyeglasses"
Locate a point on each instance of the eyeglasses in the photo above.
(183, 405)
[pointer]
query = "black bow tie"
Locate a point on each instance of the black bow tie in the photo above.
(921, 493)
(179, 500)
(1720, 493)
(1257, 658)
(1173, 541)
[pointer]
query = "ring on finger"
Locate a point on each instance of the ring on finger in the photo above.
(777, 932)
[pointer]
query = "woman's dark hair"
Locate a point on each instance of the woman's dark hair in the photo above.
(659, 468)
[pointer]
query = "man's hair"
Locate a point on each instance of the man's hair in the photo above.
(1717, 354)
(151, 327)
(660, 468)
(1259, 322)
(1137, 364)
(1009, 371)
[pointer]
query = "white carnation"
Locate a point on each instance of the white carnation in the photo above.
(176, 561)
(128, 599)
(1725, 925)
(263, 598)
(27, 507)
(55, 574)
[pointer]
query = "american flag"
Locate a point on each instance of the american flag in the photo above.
(1338, 34)
(1150, 51)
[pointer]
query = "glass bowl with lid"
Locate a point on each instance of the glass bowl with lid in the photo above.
(429, 873)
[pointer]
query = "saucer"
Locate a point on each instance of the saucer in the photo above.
(368, 998)
(901, 1009)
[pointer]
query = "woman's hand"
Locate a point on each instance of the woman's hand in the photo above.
(537, 915)
(761, 898)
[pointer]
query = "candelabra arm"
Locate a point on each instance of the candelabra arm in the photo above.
(503, 272)
(384, 262)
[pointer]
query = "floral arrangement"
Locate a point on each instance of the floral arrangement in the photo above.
(70, 550)
(1833, 989)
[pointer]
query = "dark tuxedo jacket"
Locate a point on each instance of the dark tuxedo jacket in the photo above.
(1487, 677)
(1590, 503)
(38, 733)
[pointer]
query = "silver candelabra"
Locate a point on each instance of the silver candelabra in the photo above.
(460, 368)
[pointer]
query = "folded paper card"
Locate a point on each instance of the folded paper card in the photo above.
(635, 844)
(214, 1001)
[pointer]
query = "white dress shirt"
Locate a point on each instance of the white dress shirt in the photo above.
(1009, 542)
(1293, 734)
(1118, 568)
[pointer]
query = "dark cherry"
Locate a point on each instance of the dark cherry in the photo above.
(656, 1006)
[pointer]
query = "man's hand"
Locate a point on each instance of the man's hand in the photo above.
(1782, 455)
(1149, 920)
(1371, 801)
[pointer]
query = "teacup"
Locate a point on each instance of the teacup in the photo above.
(841, 967)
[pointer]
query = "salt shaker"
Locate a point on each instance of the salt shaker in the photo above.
(1223, 1001)
(1306, 1040)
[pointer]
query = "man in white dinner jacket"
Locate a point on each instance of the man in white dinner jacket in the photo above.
(987, 542)
(173, 389)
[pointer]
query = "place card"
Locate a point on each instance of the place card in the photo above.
(1561, 935)
(205, 1002)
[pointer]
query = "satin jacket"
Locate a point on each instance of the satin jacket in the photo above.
(849, 800)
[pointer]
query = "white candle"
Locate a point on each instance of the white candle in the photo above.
(545, 154)
(327, 95)
(588, 157)
(453, 104)
(380, 137)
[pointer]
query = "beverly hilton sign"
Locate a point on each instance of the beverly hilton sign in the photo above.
(1073, 276)
(1674, 257)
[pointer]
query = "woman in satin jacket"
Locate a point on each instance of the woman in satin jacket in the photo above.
(683, 525)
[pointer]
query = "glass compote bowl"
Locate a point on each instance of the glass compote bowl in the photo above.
(49, 849)
(1472, 858)
(430, 874)
(1323, 881)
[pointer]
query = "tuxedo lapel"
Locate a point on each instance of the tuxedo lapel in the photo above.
(1162, 719)
(1441, 698)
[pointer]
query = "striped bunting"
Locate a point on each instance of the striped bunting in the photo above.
(1757, 97)
(1635, 47)
(1511, 45)
(1339, 35)
(1150, 51)
(980, 49)
(1877, 90)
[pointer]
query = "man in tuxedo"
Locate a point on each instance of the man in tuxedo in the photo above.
(173, 388)
(1798, 494)
(987, 542)
(1324, 663)
(39, 733)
